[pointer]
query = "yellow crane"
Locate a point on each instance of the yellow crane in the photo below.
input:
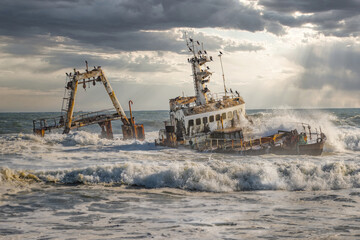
(68, 121)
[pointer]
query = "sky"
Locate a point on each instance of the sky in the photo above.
(276, 53)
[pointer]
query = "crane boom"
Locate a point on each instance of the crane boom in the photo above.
(113, 98)
(96, 75)
(130, 130)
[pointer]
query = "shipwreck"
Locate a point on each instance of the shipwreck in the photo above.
(214, 121)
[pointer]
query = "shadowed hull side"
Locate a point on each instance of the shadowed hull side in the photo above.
(314, 149)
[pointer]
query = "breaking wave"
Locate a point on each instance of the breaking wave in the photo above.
(86, 138)
(142, 164)
(29, 143)
(214, 176)
(341, 136)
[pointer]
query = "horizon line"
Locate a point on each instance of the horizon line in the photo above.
(154, 110)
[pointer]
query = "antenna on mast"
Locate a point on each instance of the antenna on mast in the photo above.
(201, 75)
(190, 44)
(222, 69)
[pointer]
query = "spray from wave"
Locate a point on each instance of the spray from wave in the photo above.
(340, 137)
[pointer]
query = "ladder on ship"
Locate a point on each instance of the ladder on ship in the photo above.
(66, 97)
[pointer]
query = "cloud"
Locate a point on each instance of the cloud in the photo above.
(120, 24)
(245, 46)
(333, 65)
(140, 43)
(330, 17)
(52, 55)
(310, 6)
(124, 25)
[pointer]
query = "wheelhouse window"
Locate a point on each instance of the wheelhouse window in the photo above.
(198, 121)
(235, 113)
(230, 115)
(211, 118)
(217, 117)
(223, 116)
(205, 120)
(191, 122)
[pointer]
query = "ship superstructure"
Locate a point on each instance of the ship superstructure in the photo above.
(218, 122)
(195, 118)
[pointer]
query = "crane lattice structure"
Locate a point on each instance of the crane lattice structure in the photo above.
(68, 121)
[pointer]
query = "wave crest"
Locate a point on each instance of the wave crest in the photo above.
(214, 176)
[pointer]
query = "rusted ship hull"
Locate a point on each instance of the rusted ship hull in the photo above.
(288, 143)
(314, 149)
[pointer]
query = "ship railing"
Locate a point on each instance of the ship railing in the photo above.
(48, 123)
(91, 115)
(58, 121)
(234, 144)
(187, 105)
(222, 95)
(212, 97)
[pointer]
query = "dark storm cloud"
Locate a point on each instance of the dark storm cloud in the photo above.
(31, 27)
(127, 15)
(61, 53)
(336, 66)
(341, 28)
(310, 6)
(331, 17)
(118, 24)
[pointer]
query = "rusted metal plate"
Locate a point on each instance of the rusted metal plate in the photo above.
(133, 132)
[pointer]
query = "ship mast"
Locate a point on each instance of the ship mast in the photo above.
(201, 75)
(222, 69)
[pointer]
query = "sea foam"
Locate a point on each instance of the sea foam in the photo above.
(213, 176)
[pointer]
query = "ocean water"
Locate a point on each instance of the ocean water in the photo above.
(79, 186)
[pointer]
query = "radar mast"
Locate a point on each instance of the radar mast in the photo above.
(201, 73)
